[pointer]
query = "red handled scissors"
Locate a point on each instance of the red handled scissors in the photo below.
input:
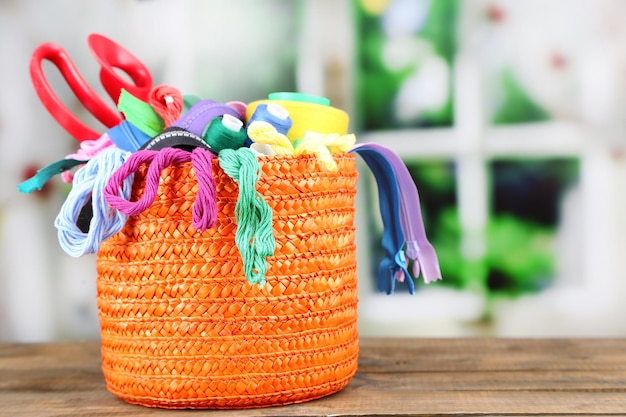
(110, 56)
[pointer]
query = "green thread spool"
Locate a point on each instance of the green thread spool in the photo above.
(225, 132)
(301, 97)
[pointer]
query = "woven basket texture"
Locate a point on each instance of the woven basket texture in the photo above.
(182, 328)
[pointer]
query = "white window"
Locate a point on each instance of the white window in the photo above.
(585, 298)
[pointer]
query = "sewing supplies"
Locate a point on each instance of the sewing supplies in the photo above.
(294, 96)
(254, 236)
(127, 136)
(189, 100)
(168, 102)
(225, 132)
(274, 114)
(418, 248)
(87, 188)
(175, 137)
(140, 113)
(307, 115)
(320, 145)
(264, 133)
(393, 266)
(224, 235)
(111, 56)
(323, 146)
(87, 150)
(37, 181)
(187, 132)
(204, 209)
(262, 149)
(200, 115)
(240, 106)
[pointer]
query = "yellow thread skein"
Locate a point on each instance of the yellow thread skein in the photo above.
(320, 145)
(334, 141)
(323, 146)
(265, 133)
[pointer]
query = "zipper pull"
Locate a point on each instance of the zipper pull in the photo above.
(393, 266)
(418, 248)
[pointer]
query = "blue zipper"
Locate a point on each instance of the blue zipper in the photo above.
(394, 262)
(418, 248)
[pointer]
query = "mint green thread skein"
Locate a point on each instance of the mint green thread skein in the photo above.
(254, 236)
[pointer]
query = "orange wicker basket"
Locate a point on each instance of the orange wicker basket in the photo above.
(182, 328)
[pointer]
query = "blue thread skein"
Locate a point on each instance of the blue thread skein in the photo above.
(89, 182)
(274, 114)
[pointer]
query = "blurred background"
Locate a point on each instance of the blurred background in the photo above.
(510, 115)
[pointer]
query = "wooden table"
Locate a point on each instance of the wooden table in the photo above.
(396, 377)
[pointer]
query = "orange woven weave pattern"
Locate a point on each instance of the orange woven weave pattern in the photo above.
(182, 328)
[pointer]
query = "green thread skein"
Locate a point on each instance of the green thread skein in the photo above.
(225, 132)
(254, 236)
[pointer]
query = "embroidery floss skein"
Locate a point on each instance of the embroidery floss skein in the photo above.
(254, 236)
(265, 133)
(323, 146)
(320, 145)
(88, 184)
(167, 102)
(204, 212)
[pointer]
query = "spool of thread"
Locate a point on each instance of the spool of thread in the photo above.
(274, 114)
(308, 116)
(306, 98)
(225, 132)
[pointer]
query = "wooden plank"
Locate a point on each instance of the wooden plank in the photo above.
(411, 355)
(474, 377)
(477, 403)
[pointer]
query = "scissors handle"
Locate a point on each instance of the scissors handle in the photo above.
(112, 56)
(87, 96)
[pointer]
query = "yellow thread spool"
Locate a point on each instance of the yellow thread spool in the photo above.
(308, 117)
